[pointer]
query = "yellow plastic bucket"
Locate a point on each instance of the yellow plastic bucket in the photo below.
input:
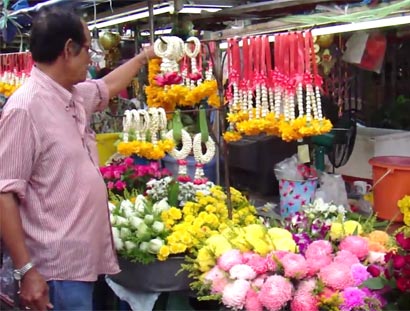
(105, 146)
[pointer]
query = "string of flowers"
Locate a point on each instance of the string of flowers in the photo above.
(143, 134)
(278, 95)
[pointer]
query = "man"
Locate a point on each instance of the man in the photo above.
(54, 218)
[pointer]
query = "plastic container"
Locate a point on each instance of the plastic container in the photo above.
(105, 146)
(391, 182)
(294, 194)
(209, 169)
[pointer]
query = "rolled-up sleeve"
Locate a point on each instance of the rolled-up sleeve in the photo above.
(18, 152)
(95, 95)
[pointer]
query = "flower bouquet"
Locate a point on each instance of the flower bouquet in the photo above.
(125, 175)
(321, 279)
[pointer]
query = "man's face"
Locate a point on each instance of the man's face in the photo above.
(79, 63)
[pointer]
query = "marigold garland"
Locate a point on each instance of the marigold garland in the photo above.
(178, 95)
(146, 149)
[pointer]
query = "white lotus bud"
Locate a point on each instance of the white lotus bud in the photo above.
(115, 233)
(111, 206)
(149, 219)
(135, 221)
(144, 246)
(118, 243)
(155, 245)
(125, 204)
(160, 206)
(129, 246)
(140, 203)
(124, 233)
(158, 226)
(121, 221)
(112, 219)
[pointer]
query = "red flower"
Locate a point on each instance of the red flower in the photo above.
(403, 284)
(398, 261)
(403, 241)
(374, 270)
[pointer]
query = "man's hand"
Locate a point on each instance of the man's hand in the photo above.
(149, 52)
(34, 292)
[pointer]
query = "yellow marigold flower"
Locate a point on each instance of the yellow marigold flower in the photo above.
(232, 136)
(351, 226)
(205, 260)
(379, 236)
(174, 213)
(336, 231)
(164, 251)
(261, 247)
(279, 233)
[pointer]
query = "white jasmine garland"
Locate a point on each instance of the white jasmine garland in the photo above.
(154, 124)
(197, 148)
(186, 145)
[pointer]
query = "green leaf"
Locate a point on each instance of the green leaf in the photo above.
(375, 283)
(173, 194)
(3, 22)
(6, 4)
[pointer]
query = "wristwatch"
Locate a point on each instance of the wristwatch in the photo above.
(19, 273)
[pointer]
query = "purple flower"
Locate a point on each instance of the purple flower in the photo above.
(302, 240)
(353, 297)
(360, 273)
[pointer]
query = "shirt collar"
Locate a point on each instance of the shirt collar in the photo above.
(47, 82)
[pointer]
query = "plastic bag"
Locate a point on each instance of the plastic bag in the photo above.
(288, 169)
(332, 189)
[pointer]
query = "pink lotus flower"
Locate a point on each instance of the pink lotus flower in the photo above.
(295, 266)
(168, 79)
(234, 294)
(336, 276)
(275, 293)
(229, 259)
(356, 245)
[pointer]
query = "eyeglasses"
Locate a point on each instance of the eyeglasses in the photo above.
(91, 51)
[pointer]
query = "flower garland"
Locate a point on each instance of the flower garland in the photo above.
(178, 95)
(264, 99)
(137, 124)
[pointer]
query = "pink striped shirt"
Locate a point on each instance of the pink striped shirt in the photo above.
(48, 157)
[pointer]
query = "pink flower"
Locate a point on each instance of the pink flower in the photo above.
(278, 254)
(359, 273)
(110, 185)
(242, 271)
(214, 273)
(252, 302)
(120, 185)
(336, 276)
(107, 174)
(259, 281)
(218, 285)
(315, 264)
(306, 286)
(234, 294)
(318, 249)
(229, 259)
(356, 245)
(217, 279)
(258, 263)
(117, 174)
(129, 161)
(304, 302)
(275, 293)
(295, 266)
(346, 257)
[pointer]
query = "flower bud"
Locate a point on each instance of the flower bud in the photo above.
(149, 219)
(142, 231)
(121, 221)
(144, 246)
(155, 245)
(135, 221)
(140, 203)
(124, 233)
(129, 246)
(160, 206)
(158, 226)
(119, 245)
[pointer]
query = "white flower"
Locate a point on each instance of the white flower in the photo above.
(142, 231)
(124, 233)
(125, 204)
(135, 221)
(155, 245)
(160, 206)
(112, 219)
(376, 257)
(128, 211)
(115, 233)
(119, 245)
(121, 221)
(149, 219)
(111, 206)
(158, 226)
(144, 246)
(129, 246)
(140, 203)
